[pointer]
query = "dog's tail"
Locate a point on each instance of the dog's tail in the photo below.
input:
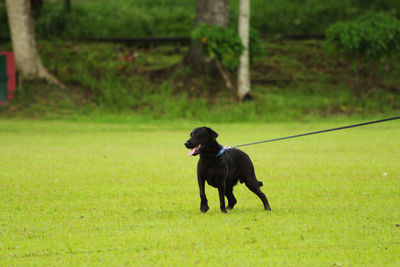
(260, 183)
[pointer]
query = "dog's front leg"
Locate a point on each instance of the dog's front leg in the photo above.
(221, 192)
(203, 198)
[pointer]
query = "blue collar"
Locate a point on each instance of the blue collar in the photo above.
(222, 151)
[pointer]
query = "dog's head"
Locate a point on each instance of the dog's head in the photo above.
(200, 137)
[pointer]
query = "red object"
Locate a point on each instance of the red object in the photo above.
(12, 84)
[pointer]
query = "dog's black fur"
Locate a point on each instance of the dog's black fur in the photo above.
(223, 171)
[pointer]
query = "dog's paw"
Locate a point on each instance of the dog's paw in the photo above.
(224, 210)
(204, 209)
(231, 205)
(268, 208)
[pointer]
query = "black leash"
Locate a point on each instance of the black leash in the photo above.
(318, 132)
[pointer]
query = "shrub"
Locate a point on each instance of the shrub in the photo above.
(372, 35)
(219, 44)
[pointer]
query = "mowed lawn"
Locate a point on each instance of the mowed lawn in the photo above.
(75, 193)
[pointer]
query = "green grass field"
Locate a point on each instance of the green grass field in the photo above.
(77, 193)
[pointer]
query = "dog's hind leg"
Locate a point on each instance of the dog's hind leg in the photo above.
(231, 198)
(254, 186)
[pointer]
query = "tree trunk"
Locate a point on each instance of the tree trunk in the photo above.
(244, 66)
(27, 60)
(208, 12)
(212, 12)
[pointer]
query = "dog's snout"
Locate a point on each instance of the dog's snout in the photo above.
(187, 144)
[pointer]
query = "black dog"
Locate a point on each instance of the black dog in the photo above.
(221, 168)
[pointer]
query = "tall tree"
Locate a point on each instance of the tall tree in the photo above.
(244, 66)
(212, 12)
(27, 60)
(208, 12)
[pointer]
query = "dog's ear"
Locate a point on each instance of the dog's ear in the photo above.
(212, 133)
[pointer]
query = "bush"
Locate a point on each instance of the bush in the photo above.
(372, 35)
(220, 44)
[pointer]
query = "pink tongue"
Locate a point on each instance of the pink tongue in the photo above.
(191, 152)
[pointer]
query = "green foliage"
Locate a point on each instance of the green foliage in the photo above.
(118, 18)
(255, 44)
(219, 44)
(293, 80)
(218, 41)
(295, 16)
(55, 22)
(371, 35)
(391, 6)
(122, 18)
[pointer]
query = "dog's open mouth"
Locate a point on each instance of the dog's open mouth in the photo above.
(194, 151)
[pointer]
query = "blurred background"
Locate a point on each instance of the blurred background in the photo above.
(165, 59)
